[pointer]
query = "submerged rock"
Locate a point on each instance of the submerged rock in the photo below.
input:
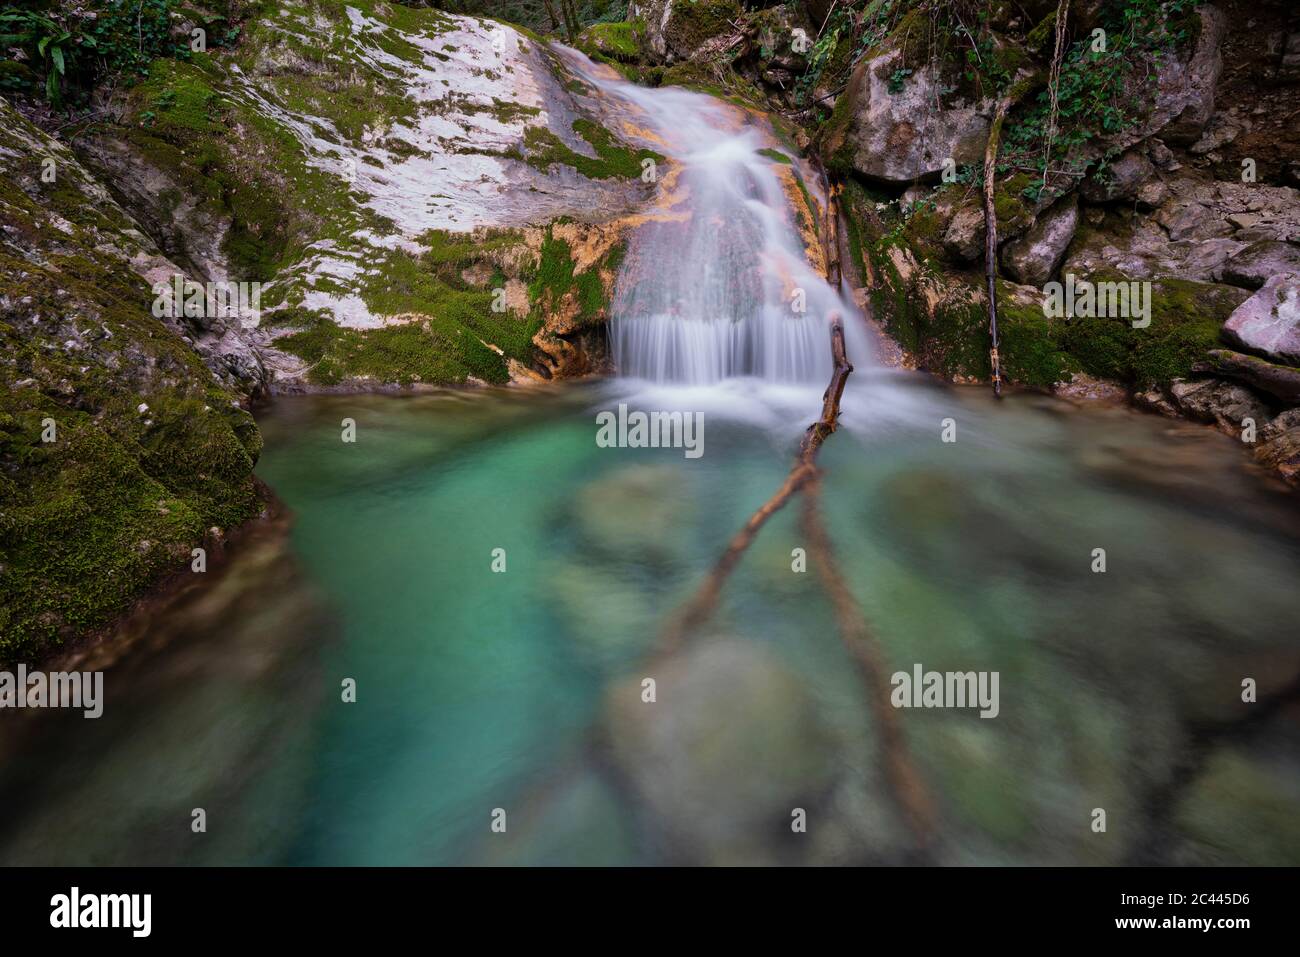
(638, 513)
(732, 745)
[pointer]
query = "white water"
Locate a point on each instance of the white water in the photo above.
(709, 294)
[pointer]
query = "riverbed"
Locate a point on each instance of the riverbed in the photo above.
(491, 581)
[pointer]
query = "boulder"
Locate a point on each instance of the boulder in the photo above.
(888, 129)
(1035, 256)
(1268, 322)
(731, 745)
(1121, 180)
(1252, 266)
(1226, 404)
(1186, 88)
(1283, 382)
(676, 30)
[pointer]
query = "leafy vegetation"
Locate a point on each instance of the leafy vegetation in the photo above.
(67, 50)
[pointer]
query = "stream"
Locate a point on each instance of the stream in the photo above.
(491, 580)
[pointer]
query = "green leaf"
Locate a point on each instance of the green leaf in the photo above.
(56, 54)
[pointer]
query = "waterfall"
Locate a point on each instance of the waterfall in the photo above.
(718, 285)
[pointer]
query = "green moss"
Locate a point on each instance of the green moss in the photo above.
(776, 156)
(1042, 38)
(123, 492)
(620, 41)
(423, 350)
(544, 148)
(1030, 346)
(1186, 318)
(691, 24)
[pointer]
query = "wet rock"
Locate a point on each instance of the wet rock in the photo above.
(1280, 446)
(1282, 382)
(1268, 322)
(1226, 404)
(1033, 258)
(892, 132)
(732, 744)
(638, 513)
(1251, 267)
(1120, 180)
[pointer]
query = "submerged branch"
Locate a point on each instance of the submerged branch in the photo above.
(904, 780)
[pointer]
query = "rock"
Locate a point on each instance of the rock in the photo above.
(1034, 257)
(1280, 448)
(898, 136)
(1162, 156)
(732, 744)
(676, 30)
(1269, 321)
(1193, 221)
(1186, 90)
(1151, 194)
(1225, 404)
(1222, 129)
(1283, 382)
(1120, 180)
(637, 513)
(964, 238)
(1252, 266)
(912, 194)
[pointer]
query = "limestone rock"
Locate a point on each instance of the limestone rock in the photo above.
(1252, 266)
(1283, 382)
(892, 132)
(1121, 180)
(1035, 256)
(1213, 400)
(1280, 446)
(1269, 321)
(732, 743)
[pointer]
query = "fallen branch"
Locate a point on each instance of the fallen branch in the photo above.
(698, 608)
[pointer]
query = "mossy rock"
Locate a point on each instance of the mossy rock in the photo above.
(690, 25)
(618, 41)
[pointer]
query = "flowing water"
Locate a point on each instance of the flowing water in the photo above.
(484, 687)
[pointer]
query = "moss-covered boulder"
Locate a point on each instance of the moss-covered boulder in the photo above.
(120, 449)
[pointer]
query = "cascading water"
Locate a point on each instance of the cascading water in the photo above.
(719, 286)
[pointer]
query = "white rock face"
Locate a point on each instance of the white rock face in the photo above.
(467, 90)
